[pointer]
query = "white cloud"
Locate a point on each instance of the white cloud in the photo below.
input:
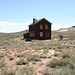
(58, 26)
(15, 27)
(73, 24)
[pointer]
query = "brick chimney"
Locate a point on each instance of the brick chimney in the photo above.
(33, 20)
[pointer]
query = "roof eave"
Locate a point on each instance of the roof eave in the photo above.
(39, 21)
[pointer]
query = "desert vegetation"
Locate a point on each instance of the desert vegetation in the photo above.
(37, 57)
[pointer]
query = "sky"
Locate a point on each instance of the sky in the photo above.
(16, 15)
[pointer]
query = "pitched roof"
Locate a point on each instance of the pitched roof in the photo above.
(39, 21)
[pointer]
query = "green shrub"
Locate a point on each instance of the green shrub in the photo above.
(66, 55)
(70, 62)
(53, 63)
(8, 72)
(65, 71)
(33, 58)
(63, 63)
(45, 51)
(58, 63)
(47, 72)
(26, 71)
(2, 64)
(33, 62)
(56, 54)
(43, 56)
(1, 55)
(22, 62)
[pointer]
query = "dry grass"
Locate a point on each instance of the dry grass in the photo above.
(36, 54)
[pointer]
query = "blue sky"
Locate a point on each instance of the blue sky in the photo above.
(16, 15)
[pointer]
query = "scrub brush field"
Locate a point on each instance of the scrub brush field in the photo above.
(37, 57)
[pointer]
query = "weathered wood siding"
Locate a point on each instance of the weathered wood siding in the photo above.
(38, 30)
(35, 28)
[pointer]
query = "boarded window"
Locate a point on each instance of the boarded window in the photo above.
(46, 26)
(41, 34)
(41, 27)
(32, 34)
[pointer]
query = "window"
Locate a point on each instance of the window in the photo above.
(46, 26)
(32, 34)
(41, 27)
(41, 34)
(47, 34)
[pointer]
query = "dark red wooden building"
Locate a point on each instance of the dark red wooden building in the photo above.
(39, 29)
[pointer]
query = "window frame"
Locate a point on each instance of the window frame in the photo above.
(32, 35)
(46, 26)
(41, 26)
(41, 34)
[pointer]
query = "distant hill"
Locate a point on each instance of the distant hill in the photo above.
(66, 29)
(24, 31)
(2, 33)
(71, 28)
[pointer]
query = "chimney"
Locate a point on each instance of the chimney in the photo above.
(33, 20)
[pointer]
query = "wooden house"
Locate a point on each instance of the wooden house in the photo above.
(39, 29)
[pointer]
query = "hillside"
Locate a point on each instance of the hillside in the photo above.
(71, 28)
(45, 57)
(2, 33)
(66, 29)
(24, 31)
